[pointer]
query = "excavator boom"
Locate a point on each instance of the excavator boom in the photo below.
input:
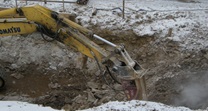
(29, 19)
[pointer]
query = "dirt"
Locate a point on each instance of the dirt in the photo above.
(50, 73)
(70, 88)
(169, 72)
(178, 78)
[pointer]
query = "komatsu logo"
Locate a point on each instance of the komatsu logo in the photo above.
(10, 30)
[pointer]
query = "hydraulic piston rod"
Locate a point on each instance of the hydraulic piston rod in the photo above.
(104, 40)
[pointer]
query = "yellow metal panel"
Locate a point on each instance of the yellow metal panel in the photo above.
(77, 26)
(7, 29)
(40, 15)
(73, 36)
(78, 41)
(87, 50)
(8, 12)
(70, 41)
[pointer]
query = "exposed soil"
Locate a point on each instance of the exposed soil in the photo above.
(170, 73)
(51, 73)
(70, 88)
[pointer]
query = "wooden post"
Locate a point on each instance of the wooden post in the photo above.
(63, 5)
(123, 9)
(45, 1)
(16, 3)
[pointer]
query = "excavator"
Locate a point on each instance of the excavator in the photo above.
(116, 63)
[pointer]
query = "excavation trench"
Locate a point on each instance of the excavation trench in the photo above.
(169, 42)
(50, 74)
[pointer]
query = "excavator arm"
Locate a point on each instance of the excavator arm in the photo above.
(29, 19)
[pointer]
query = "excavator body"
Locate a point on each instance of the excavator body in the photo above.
(36, 18)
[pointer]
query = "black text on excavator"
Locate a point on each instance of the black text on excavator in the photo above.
(29, 19)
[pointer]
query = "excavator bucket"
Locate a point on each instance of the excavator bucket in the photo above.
(132, 81)
(132, 91)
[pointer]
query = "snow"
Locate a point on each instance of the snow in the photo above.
(134, 105)
(144, 17)
(189, 16)
(22, 106)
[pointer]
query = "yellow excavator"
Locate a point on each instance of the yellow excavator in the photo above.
(36, 18)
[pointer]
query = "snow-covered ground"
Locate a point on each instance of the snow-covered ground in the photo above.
(133, 105)
(22, 106)
(165, 19)
(144, 18)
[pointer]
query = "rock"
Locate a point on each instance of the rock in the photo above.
(79, 99)
(169, 17)
(100, 93)
(1, 96)
(206, 55)
(120, 96)
(94, 12)
(117, 13)
(170, 31)
(91, 97)
(92, 85)
(117, 87)
(67, 107)
(14, 66)
(17, 76)
(104, 86)
(54, 86)
(53, 67)
(176, 39)
(104, 99)
(67, 100)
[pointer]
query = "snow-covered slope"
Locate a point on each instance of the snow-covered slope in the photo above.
(143, 17)
(133, 105)
(22, 106)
